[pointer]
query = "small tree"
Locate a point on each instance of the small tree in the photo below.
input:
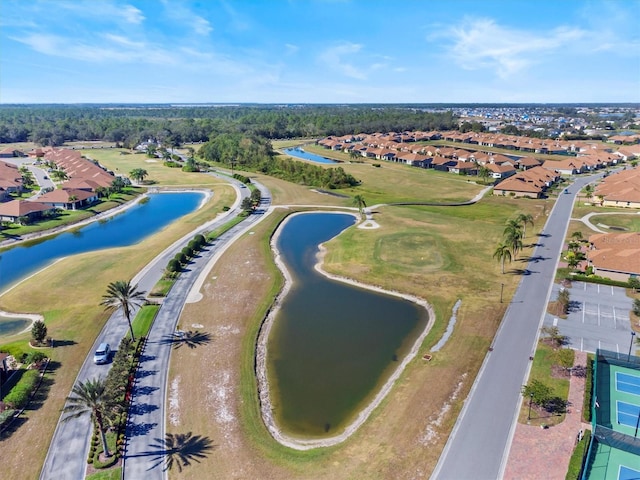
(538, 392)
(636, 307)
(38, 331)
(634, 283)
(563, 300)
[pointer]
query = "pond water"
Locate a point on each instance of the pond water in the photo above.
(11, 326)
(300, 153)
(126, 228)
(332, 345)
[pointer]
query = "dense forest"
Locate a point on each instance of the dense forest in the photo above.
(254, 153)
(55, 124)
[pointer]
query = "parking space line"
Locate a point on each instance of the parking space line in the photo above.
(598, 288)
(612, 290)
(582, 344)
(583, 310)
(614, 318)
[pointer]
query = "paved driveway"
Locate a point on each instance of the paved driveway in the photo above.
(599, 318)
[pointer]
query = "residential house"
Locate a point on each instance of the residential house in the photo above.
(615, 255)
(621, 189)
(68, 199)
(13, 210)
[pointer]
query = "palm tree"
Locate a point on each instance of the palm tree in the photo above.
(588, 190)
(513, 236)
(138, 174)
(502, 253)
(90, 397)
(523, 219)
(483, 173)
(359, 202)
(121, 294)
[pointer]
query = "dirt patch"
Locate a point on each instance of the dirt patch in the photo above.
(558, 371)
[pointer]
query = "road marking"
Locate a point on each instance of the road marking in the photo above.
(614, 318)
(583, 310)
(612, 290)
(598, 288)
(555, 322)
(617, 348)
(582, 344)
(585, 286)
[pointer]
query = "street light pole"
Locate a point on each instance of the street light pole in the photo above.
(633, 334)
(501, 290)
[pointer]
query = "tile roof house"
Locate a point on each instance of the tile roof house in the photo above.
(621, 189)
(530, 183)
(68, 199)
(12, 211)
(615, 255)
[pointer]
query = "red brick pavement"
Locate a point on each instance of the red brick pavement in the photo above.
(538, 453)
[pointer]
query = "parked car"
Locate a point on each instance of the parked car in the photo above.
(102, 354)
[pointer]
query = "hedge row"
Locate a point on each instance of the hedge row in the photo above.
(19, 395)
(600, 280)
(577, 459)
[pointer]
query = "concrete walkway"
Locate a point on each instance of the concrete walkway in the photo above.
(544, 453)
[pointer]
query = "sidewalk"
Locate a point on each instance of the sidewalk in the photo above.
(536, 453)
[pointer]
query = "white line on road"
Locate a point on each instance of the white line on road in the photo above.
(598, 314)
(583, 309)
(617, 348)
(598, 288)
(612, 290)
(582, 344)
(614, 317)
(555, 322)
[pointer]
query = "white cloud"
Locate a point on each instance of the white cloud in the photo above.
(101, 9)
(291, 48)
(333, 58)
(178, 12)
(482, 43)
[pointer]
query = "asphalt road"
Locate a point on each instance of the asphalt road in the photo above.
(479, 443)
(66, 458)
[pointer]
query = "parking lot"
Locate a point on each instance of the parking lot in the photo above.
(598, 318)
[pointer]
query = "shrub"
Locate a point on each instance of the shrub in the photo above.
(575, 463)
(187, 252)
(19, 395)
(6, 415)
(174, 266)
(182, 258)
(200, 240)
(34, 357)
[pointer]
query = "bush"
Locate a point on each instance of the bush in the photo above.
(174, 266)
(575, 463)
(6, 415)
(182, 258)
(34, 357)
(200, 240)
(19, 395)
(187, 252)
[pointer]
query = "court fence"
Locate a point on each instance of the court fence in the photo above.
(601, 406)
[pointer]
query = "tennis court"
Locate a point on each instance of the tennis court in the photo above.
(626, 473)
(628, 383)
(628, 414)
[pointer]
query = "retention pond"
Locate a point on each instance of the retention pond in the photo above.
(332, 345)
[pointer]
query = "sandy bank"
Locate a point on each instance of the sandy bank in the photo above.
(261, 354)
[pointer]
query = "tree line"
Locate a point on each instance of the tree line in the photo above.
(52, 125)
(254, 154)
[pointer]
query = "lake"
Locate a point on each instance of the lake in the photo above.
(125, 228)
(332, 345)
(300, 153)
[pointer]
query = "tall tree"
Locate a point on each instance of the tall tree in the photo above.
(502, 253)
(90, 397)
(513, 236)
(524, 219)
(359, 202)
(121, 294)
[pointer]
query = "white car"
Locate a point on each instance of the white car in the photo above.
(102, 354)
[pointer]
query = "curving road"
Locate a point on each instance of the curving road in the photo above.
(66, 458)
(479, 444)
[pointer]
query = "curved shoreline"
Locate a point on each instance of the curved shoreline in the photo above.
(261, 352)
(207, 194)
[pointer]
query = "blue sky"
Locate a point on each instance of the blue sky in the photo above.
(319, 51)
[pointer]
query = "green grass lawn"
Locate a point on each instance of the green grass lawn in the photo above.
(110, 474)
(144, 319)
(541, 369)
